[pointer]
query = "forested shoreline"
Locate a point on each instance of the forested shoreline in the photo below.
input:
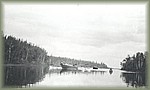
(31, 59)
(55, 61)
(136, 63)
(19, 52)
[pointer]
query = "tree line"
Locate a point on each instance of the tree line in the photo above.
(136, 63)
(21, 52)
(55, 61)
(18, 51)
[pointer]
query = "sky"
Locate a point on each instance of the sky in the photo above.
(88, 31)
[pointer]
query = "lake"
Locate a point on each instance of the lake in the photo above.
(39, 76)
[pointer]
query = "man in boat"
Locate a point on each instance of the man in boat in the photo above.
(110, 71)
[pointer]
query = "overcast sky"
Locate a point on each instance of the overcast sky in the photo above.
(96, 32)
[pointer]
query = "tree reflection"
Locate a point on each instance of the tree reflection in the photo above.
(18, 76)
(134, 79)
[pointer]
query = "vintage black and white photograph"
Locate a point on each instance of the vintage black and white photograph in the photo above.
(74, 45)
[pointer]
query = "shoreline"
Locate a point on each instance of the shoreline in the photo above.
(26, 65)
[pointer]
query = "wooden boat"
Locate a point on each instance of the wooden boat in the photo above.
(68, 66)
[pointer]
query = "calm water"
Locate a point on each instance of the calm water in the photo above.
(20, 76)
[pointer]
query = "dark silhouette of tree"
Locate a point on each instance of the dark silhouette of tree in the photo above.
(135, 63)
(18, 51)
(21, 52)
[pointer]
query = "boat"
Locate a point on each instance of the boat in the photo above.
(95, 67)
(110, 71)
(68, 66)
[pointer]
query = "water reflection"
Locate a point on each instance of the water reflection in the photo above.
(19, 76)
(69, 71)
(110, 72)
(134, 79)
(81, 72)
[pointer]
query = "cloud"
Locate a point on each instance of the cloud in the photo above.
(92, 32)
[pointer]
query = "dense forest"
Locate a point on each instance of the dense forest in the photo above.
(55, 61)
(21, 52)
(135, 63)
(18, 51)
